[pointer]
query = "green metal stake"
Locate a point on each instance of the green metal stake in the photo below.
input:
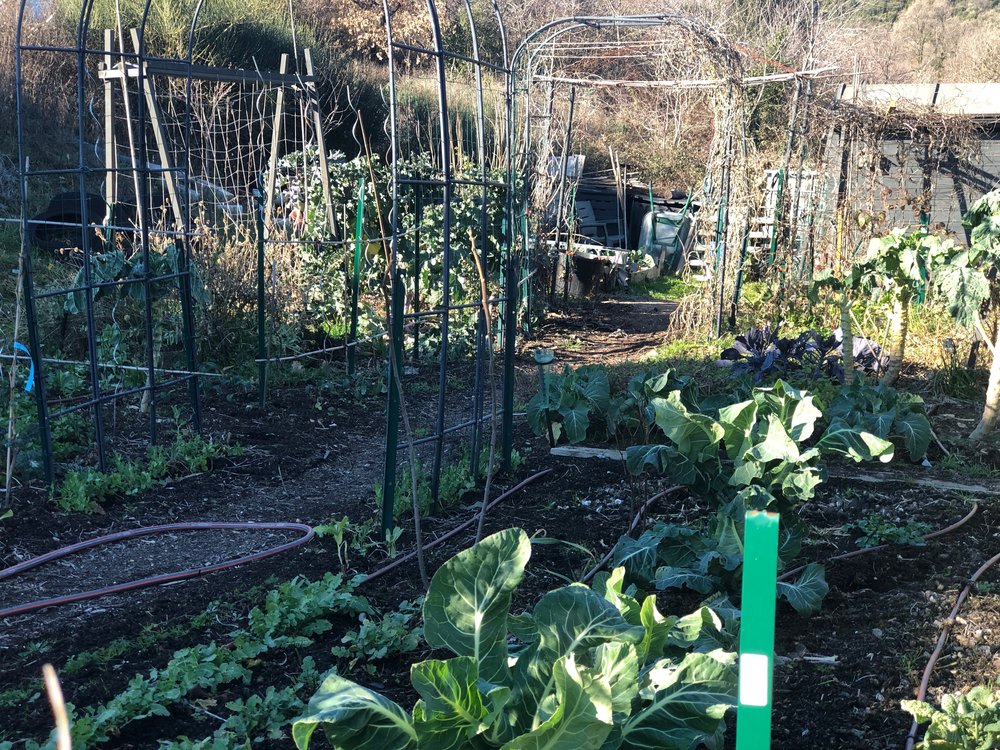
(760, 575)
(261, 302)
(773, 250)
(392, 416)
(359, 224)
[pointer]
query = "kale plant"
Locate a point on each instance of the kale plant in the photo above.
(763, 353)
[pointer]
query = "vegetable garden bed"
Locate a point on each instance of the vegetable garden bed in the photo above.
(840, 674)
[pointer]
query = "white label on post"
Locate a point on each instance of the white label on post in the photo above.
(754, 671)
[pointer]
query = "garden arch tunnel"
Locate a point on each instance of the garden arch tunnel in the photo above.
(666, 52)
(572, 53)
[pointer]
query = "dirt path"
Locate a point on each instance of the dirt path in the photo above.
(606, 331)
(311, 455)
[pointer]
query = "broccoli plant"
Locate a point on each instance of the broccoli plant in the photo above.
(893, 273)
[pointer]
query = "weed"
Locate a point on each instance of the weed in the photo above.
(666, 288)
(970, 466)
(35, 649)
(455, 482)
(571, 344)
(290, 616)
(391, 538)
(349, 537)
(911, 661)
(876, 530)
(84, 490)
(151, 635)
(14, 697)
(377, 638)
(953, 378)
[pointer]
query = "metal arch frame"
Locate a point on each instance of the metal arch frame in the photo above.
(140, 172)
(526, 58)
(396, 313)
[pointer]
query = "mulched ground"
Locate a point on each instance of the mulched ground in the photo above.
(314, 455)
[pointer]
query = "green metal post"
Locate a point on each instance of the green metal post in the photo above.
(359, 224)
(652, 219)
(418, 220)
(777, 216)
(261, 303)
(513, 268)
(392, 415)
(760, 573)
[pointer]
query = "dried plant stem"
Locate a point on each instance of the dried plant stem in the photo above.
(491, 372)
(63, 739)
(396, 371)
(11, 409)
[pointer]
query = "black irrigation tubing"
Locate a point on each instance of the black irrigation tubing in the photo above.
(858, 552)
(307, 534)
(457, 530)
(943, 638)
(634, 525)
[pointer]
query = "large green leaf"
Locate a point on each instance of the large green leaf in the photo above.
(794, 407)
(806, 594)
(777, 444)
(468, 600)
(639, 557)
(583, 715)
(700, 631)
(687, 703)
(694, 434)
(571, 619)
(798, 482)
(611, 585)
(657, 629)
(618, 665)
(535, 414)
(638, 457)
(916, 431)
(576, 421)
(576, 617)
(728, 543)
(963, 289)
(801, 422)
(451, 709)
(737, 422)
(841, 438)
(678, 578)
(354, 718)
(592, 384)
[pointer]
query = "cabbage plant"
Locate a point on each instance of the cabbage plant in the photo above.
(586, 669)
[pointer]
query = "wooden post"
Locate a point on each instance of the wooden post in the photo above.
(324, 170)
(159, 134)
(272, 162)
(129, 129)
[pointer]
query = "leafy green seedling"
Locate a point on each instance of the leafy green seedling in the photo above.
(876, 530)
